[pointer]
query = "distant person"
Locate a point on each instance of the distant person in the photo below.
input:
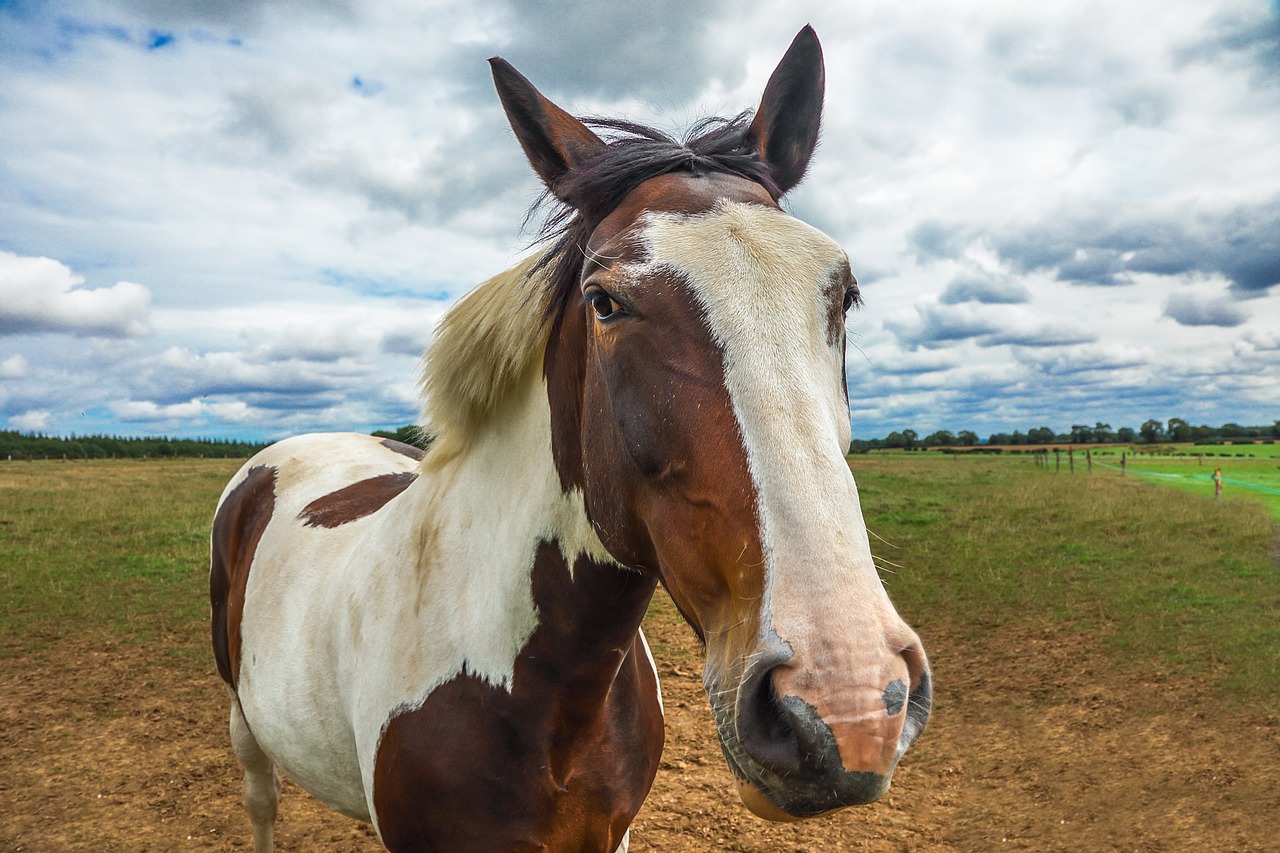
(1217, 483)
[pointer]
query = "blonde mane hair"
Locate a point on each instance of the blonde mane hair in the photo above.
(482, 345)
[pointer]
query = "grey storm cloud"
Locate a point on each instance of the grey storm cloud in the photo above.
(1241, 244)
(235, 13)
(1190, 310)
(613, 50)
(985, 288)
(932, 240)
(1250, 38)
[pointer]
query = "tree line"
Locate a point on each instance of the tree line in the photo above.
(1151, 431)
(18, 445)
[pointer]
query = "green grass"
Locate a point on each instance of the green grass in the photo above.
(1251, 472)
(1166, 580)
(115, 545)
(1158, 578)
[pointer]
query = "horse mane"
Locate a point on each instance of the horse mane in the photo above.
(493, 334)
(482, 345)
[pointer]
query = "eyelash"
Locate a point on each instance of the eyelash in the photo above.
(594, 296)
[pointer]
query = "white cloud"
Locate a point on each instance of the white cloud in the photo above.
(1029, 192)
(43, 295)
(146, 411)
(34, 421)
(14, 367)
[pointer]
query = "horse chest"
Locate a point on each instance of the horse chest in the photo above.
(480, 768)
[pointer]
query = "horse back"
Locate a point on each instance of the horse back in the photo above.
(336, 478)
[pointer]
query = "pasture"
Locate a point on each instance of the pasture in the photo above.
(1250, 471)
(1106, 657)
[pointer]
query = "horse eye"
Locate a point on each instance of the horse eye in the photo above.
(850, 298)
(603, 304)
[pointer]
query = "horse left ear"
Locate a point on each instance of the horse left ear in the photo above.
(555, 142)
(785, 127)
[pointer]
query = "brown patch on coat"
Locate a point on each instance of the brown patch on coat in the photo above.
(642, 421)
(415, 453)
(356, 500)
(560, 762)
(237, 529)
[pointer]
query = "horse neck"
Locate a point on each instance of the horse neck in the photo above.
(497, 510)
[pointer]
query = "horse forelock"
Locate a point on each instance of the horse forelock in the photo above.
(489, 338)
(634, 154)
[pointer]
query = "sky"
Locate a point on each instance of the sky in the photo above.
(243, 218)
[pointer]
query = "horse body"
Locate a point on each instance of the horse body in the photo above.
(449, 646)
(387, 611)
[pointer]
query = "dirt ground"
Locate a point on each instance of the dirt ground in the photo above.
(1035, 744)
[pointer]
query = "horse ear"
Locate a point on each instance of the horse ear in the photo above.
(785, 127)
(555, 142)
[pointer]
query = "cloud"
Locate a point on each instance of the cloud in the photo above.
(986, 288)
(43, 295)
(627, 47)
(1241, 243)
(33, 421)
(936, 326)
(1190, 309)
(305, 186)
(14, 367)
(1089, 358)
(146, 411)
(1245, 37)
(1037, 334)
(932, 240)
(940, 325)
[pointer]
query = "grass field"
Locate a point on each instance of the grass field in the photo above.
(1163, 578)
(1106, 654)
(1250, 471)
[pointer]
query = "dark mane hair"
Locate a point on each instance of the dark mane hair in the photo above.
(633, 154)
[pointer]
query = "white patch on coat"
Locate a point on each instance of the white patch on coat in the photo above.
(761, 277)
(346, 626)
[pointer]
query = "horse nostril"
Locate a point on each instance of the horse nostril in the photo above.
(764, 724)
(894, 697)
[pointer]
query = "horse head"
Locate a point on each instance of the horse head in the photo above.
(695, 374)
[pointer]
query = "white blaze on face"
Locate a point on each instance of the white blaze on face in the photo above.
(763, 279)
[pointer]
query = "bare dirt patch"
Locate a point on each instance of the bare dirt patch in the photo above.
(1036, 744)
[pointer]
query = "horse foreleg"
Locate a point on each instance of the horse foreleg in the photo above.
(261, 782)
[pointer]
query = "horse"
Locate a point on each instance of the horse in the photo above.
(448, 645)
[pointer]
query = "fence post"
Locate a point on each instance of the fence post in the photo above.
(1088, 457)
(1123, 457)
(1071, 459)
(1057, 460)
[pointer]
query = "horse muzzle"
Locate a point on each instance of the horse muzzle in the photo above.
(802, 741)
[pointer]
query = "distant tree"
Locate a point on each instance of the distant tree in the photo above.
(911, 437)
(941, 438)
(965, 438)
(1018, 438)
(1232, 431)
(1102, 433)
(1041, 435)
(1178, 430)
(999, 438)
(1151, 431)
(1275, 430)
(1081, 434)
(1126, 435)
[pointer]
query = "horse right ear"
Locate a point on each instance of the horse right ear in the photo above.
(555, 142)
